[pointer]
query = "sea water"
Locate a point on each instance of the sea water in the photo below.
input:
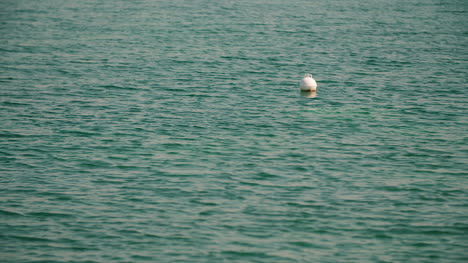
(174, 131)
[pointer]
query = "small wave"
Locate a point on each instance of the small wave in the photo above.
(118, 87)
(50, 214)
(5, 134)
(28, 238)
(10, 213)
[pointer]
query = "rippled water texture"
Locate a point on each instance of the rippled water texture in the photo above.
(174, 131)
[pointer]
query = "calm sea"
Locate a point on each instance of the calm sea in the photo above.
(174, 131)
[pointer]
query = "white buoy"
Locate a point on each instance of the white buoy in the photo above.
(308, 83)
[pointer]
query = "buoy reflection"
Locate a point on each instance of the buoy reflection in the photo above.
(309, 94)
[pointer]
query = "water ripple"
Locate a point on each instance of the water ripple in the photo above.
(174, 131)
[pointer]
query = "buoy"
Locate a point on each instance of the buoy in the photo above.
(308, 83)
